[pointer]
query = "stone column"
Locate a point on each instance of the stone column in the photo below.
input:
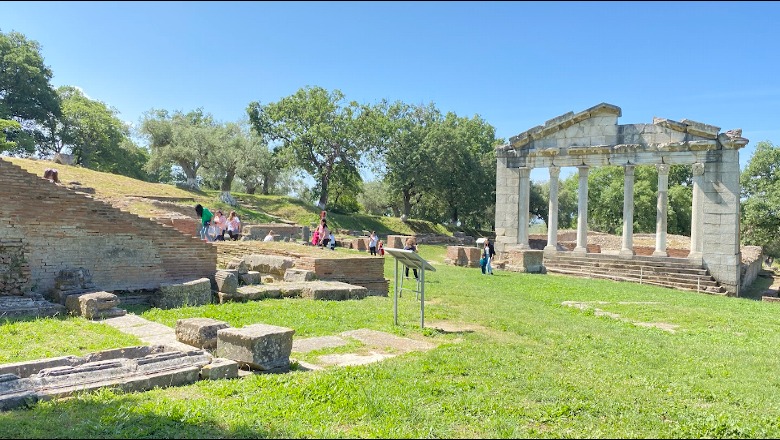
(661, 208)
(627, 249)
(696, 212)
(524, 192)
(552, 212)
(582, 211)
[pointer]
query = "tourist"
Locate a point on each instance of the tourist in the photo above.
(410, 245)
(324, 234)
(381, 248)
(270, 236)
(233, 225)
(220, 223)
(372, 240)
(487, 254)
(332, 241)
(205, 221)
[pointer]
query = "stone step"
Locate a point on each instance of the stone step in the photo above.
(637, 273)
(712, 289)
(624, 265)
(635, 260)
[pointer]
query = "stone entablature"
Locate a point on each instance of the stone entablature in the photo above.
(593, 138)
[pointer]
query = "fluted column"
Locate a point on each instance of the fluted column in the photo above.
(661, 209)
(582, 211)
(552, 213)
(524, 201)
(628, 211)
(696, 214)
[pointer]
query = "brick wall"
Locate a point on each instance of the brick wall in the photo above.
(61, 229)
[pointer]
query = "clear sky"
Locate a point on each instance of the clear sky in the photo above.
(515, 64)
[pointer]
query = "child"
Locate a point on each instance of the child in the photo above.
(332, 241)
(381, 249)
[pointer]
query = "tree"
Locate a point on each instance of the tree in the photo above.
(462, 151)
(317, 131)
(180, 139)
(760, 182)
(400, 133)
(7, 126)
(26, 94)
(96, 136)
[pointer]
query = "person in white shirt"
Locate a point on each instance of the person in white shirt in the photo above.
(332, 241)
(372, 241)
(269, 237)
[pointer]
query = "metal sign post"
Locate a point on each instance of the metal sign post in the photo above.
(410, 260)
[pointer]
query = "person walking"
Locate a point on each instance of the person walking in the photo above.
(372, 242)
(205, 221)
(487, 253)
(410, 245)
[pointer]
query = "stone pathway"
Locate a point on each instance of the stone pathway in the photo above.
(149, 332)
(376, 345)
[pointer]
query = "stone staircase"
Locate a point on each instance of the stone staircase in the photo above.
(675, 273)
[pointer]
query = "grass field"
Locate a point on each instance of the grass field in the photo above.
(625, 361)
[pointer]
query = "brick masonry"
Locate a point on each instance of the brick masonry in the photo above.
(53, 228)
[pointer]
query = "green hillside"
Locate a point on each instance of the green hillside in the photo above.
(138, 197)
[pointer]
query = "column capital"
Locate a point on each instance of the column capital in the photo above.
(663, 168)
(698, 169)
(555, 171)
(628, 170)
(524, 171)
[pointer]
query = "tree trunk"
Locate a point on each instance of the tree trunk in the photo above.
(407, 202)
(324, 193)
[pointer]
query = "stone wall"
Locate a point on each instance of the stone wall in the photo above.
(365, 271)
(59, 229)
(282, 232)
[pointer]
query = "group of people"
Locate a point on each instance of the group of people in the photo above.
(213, 227)
(375, 246)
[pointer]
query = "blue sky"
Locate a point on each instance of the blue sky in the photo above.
(515, 64)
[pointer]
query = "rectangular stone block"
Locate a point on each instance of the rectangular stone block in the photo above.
(250, 278)
(199, 332)
(259, 346)
(219, 368)
(191, 293)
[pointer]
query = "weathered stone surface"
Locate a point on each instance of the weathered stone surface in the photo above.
(18, 306)
(239, 265)
(90, 305)
(191, 293)
(226, 281)
(269, 264)
(158, 369)
(219, 368)
(250, 278)
(299, 275)
(199, 332)
(333, 290)
(259, 346)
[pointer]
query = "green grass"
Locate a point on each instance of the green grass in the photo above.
(254, 208)
(532, 368)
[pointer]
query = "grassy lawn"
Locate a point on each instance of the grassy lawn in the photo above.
(533, 367)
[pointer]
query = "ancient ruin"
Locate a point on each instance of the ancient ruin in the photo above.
(593, 138)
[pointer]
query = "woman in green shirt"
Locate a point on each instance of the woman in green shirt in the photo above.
(205, 220)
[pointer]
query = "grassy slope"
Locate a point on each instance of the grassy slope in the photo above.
(532, 368)
(254, 208)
